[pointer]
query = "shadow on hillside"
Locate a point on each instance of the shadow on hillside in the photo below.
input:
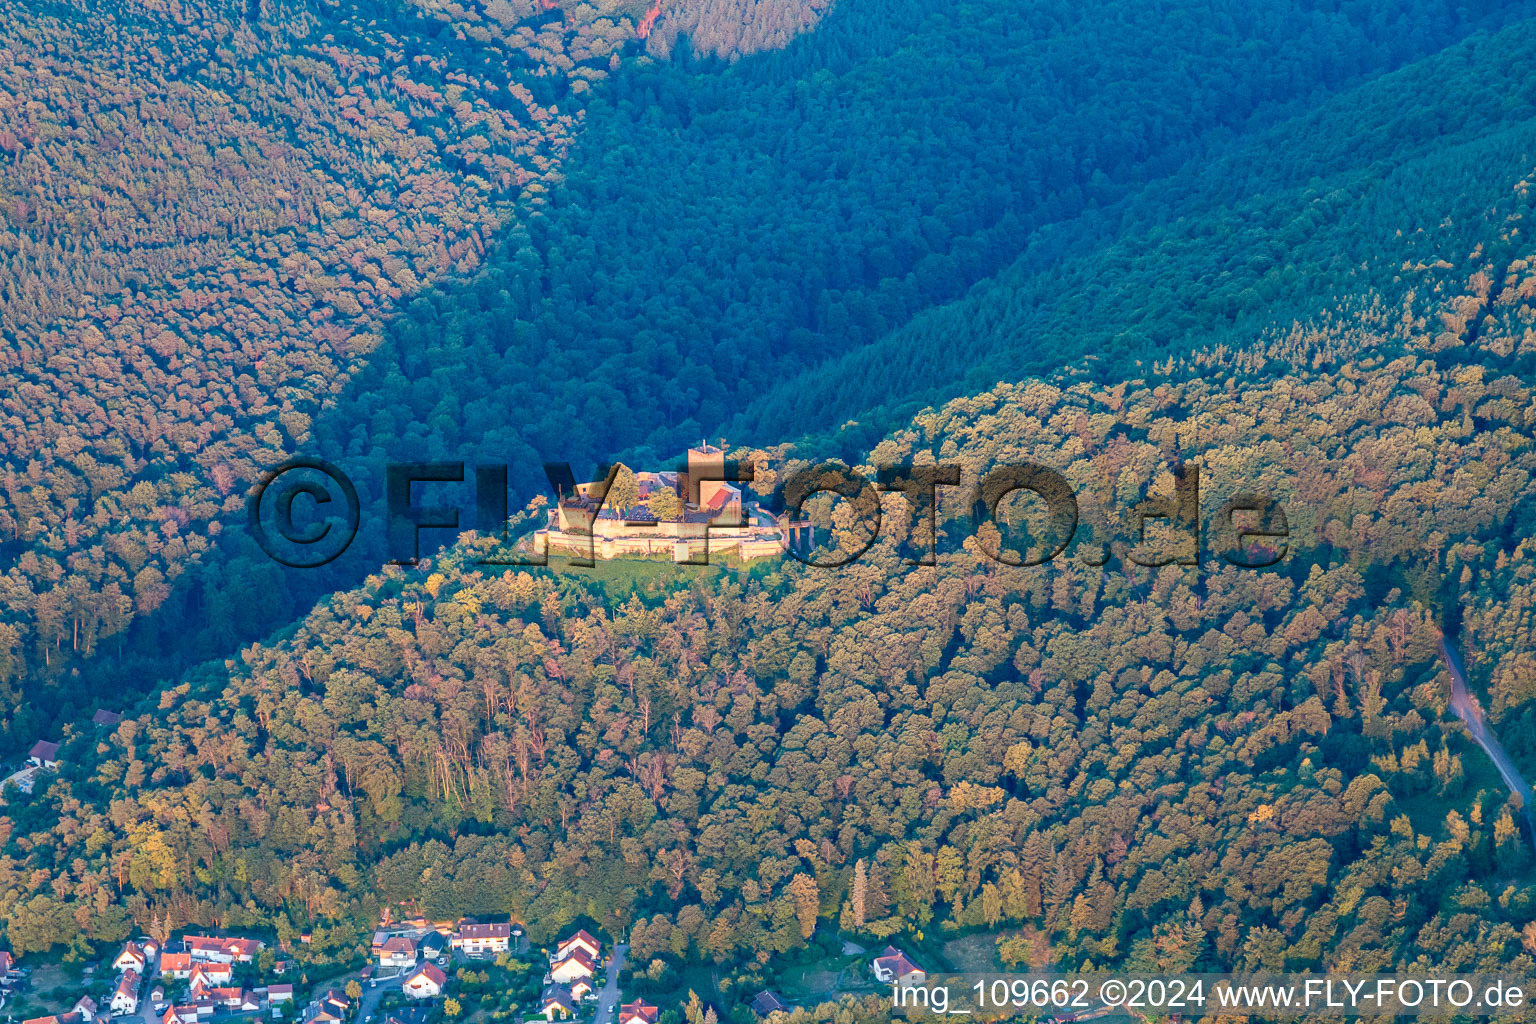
(630, 315)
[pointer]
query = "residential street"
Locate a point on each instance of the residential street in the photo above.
(146, 1008)
(608, 997)
(368, 1003)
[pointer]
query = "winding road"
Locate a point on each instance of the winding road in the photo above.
(1470, 711)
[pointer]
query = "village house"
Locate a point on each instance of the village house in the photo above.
(176, 965)
(483, 939)
(59, 1018)
(425, 982)
(320, 1013)
(7, 966)
(577, 965)
(409, 1015)
(330, 1008)
(768, 1002)
(277, 994)
(397, 951)
(639, 1012)
(233, 998)
(581, 988)
(44, 754)
(896, 968)
(125, 998)
(133, 957)
(185, 1014)
(209, 975)
(557, 1004)
(581, 940)
(86, 1007)
(106, 718)
(221, 950)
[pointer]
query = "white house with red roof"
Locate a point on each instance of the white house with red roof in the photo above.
(222, 950)
(483, 939)
(896, 968)
(577, 965)
(209, 976)
(397, 951)
(424, 982)
(132, 958)
(581, 940)
(639, 1012)
(125, 998)
(44, 754)
(176, 965)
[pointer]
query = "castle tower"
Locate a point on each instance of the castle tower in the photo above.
(704, 462)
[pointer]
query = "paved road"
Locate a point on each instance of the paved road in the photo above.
(1469, 711)
(608, 997)
(368, 1003)
(146, 1008)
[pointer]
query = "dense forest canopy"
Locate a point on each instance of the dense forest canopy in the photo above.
(765, 246)
(1169, 769)
(1285, 242)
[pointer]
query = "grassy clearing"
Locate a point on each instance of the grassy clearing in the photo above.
(976, 951)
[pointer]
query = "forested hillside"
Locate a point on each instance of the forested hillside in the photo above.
(751, 244)
(208, 211)
(1165, 768)
(1285, 242)
(1388, 177)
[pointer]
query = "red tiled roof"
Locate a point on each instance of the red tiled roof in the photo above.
(429, 971)
(898, 963)
(234, 947)
(638, 1010)
(587, 937)
(581, 956)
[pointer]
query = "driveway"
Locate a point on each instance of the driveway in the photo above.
(608, 996)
